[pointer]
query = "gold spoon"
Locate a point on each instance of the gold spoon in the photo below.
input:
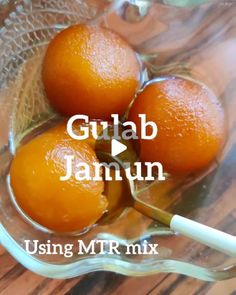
(206, 235)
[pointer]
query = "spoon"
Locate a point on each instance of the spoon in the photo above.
(203, 234)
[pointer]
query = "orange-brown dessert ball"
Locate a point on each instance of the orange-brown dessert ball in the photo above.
(61, 206)
(190, 121)
(90, 70)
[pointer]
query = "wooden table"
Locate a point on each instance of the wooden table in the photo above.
(15, 279)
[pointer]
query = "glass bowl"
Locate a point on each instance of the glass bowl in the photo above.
(172, 37)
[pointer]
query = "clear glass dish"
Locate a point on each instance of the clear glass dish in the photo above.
(178, 37)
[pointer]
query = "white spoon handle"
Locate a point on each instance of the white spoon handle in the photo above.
(206, 235)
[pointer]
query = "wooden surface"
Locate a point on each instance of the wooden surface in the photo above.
(16, 280)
